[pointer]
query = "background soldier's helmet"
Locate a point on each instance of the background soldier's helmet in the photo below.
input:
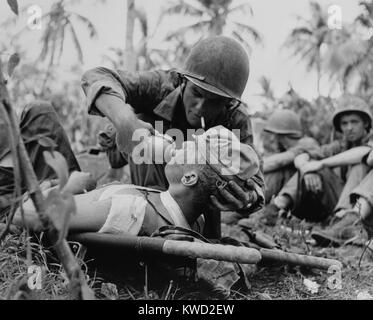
(348, 104)
(219, 65)
(285, 122)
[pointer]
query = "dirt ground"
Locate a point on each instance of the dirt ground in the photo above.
(265, 282)
(285, 282)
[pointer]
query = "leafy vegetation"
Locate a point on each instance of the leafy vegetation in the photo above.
(343, 56)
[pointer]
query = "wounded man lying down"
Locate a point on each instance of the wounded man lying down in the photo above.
(195, 172)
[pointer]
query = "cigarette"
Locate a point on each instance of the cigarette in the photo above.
(203, 124)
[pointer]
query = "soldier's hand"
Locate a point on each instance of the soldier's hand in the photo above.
(236, 198)
(313, 182)
(312, 166)
(106, 137)
(370, 159)
(145, 125)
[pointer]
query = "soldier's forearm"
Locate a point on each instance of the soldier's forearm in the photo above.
(115, 109)
(277, 161)
(349, 157)
(125, 121)
(301, 160)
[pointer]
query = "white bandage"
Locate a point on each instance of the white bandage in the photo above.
(126, 215)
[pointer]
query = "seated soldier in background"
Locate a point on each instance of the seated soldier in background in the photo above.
(284, 131)
(284, 140)
(330, 194)
(200, 169)
(362, 198)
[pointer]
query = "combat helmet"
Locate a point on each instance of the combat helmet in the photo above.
(219, 65)
(348, 104)
(284, 122)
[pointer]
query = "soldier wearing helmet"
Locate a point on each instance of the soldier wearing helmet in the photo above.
(204, 93)
(353, 121)
(351, 105)
(284, 132)
(283, 142)
(361, 197)
(285, 122)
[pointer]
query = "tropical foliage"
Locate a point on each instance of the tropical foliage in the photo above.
(307, 40)
(214, 17)
(344, 57)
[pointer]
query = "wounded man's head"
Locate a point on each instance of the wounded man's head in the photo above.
(209, 162)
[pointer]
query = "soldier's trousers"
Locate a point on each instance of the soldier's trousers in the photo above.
(276, 180)
(364, 189)
(37, 119)
(334, 196)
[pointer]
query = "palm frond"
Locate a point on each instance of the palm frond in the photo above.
(301, 32)
(92, 29)
(359, 62)
(250, 31)
(76, 42)
(53, 47)
(45, 42)
(195, 27)
(238, 36)
(62, 40)
(183, 8)
(306, 53)
(368, 7)
(245, 8)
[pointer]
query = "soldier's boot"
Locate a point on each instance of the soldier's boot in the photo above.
(271, 214)
(340, 232)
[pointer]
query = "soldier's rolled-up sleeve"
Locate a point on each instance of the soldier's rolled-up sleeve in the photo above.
(99, 81)
(142, 90)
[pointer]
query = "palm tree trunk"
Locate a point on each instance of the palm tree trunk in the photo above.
(130, 56)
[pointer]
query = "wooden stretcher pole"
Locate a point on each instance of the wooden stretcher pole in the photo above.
(273, 255)
(146, 245)
(212, 251)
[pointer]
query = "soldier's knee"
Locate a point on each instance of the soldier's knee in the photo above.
(358, 171)
(359, 167)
